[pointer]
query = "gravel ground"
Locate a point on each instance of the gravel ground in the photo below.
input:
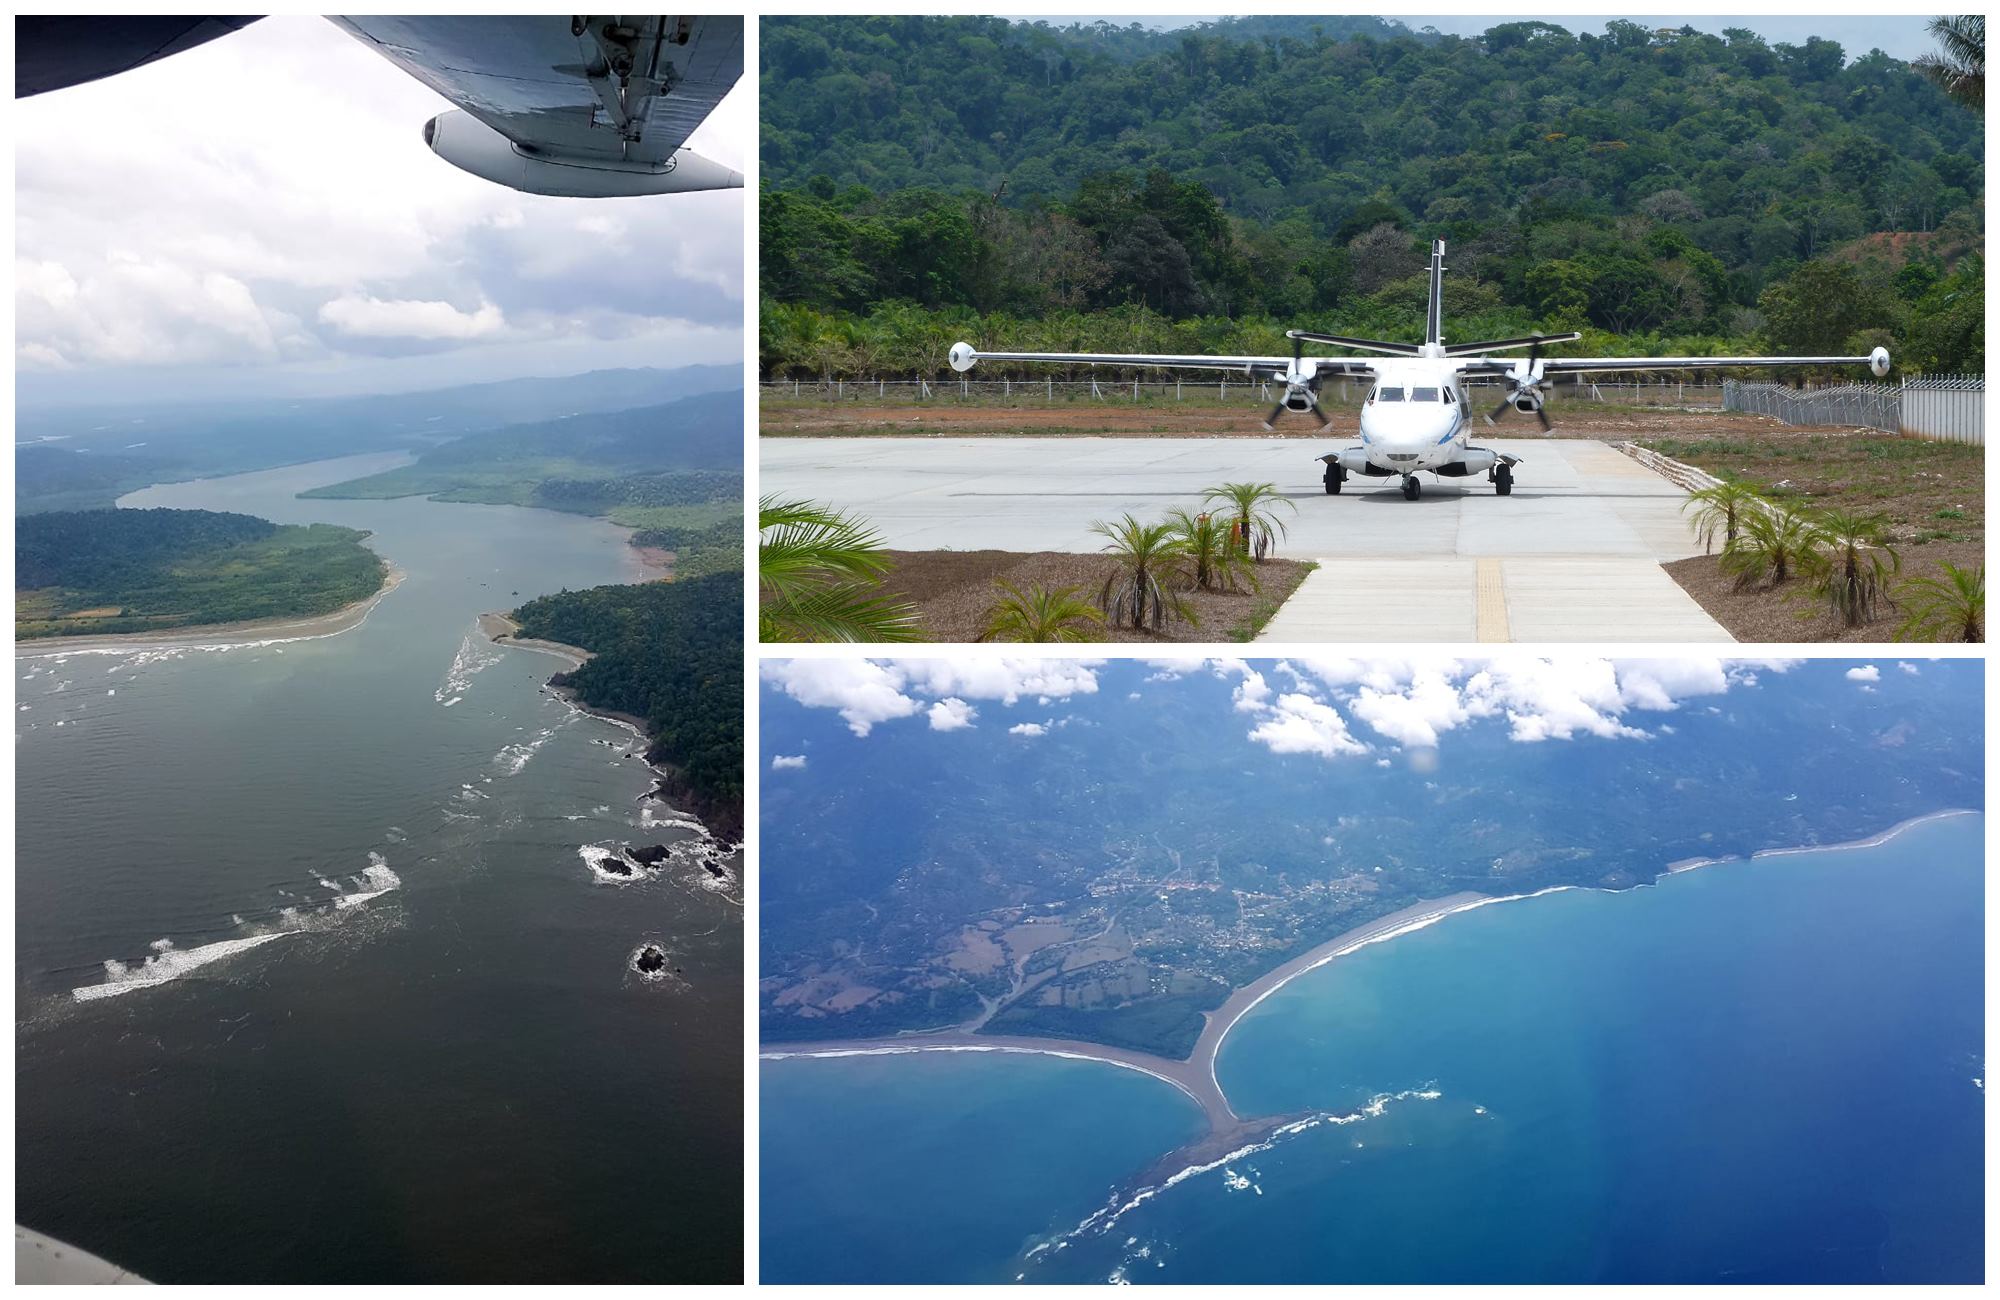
(1765, 614)
(954, 590)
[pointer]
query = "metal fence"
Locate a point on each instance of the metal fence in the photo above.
(1947, 408)
(1333, 392)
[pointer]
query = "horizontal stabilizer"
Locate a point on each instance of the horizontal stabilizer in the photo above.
(1500, 345)
(1366, 345)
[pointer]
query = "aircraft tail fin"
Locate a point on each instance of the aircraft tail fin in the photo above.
(1434, 316)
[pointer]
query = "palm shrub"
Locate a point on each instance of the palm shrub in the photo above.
(1039, 614)
(1151, 565)
(1768, 546)
(1257, 525)
(819, 576)
(1721, 510)
(1215, 560)
(1948, 608)
(1845, 564)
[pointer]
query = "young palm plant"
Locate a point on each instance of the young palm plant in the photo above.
(1720, 510)
(1848, 565)
(1152, 565)
(1256, 524)
(1768, 546)
(1217, 561)
(819, 574)
(1950, 608)
(1039, 614)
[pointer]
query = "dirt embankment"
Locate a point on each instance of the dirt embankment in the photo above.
(955, 592)
(1930, 497)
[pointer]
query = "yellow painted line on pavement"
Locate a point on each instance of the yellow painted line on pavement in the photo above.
(1492, 603)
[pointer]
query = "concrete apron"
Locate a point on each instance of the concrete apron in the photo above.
(1572, 555)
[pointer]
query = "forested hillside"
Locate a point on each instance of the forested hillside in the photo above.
(672, 653)
(673, 472)
(1117, 189)
(95, 571)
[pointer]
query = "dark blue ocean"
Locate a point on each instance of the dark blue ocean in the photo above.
(1761, 1071)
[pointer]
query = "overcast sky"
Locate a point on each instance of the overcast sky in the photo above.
(1902, 36)
(260, 216)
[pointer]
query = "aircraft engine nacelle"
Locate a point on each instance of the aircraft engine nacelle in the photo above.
(1299, 397)
(1526, 400)
(470, 145)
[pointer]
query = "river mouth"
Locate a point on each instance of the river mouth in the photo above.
(386, 976)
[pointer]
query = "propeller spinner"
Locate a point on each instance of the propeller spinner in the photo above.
(1301, 391)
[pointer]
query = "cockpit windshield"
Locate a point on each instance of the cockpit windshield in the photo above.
(1388, 394)
(1423, 394)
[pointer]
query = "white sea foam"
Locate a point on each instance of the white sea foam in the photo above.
(1106, 1218)
(514, 757)
(475, 655)
(167, 963)
(375, 880)
(596, 855)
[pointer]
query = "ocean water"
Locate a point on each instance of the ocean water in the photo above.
(314, 981)
(1761, 1071)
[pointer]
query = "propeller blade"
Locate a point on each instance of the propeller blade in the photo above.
(1325, 420)
(1542, 414)
(1271, 420)
(1501, 409)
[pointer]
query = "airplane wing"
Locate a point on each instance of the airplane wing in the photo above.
(576, 107)
(964, 357)
(1877, 361)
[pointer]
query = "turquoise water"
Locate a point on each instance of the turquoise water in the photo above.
(1762, 1071)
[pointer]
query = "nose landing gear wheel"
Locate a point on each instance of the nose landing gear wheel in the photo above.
(1411, 488)
(1503, 479)
(1335, 476)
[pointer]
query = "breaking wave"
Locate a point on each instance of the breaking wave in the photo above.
(475, 655)
(167, 963)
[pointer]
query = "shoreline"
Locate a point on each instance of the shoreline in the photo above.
(1229, 1138)
(1195, 1077)
(262, 631)
(502, 630)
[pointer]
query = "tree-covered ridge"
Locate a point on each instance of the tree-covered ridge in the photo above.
(1448, 130)
(1653, 187)
(98, 571)
(671, 653)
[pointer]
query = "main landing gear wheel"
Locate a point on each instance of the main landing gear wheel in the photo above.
(1411, 488)
(1335, 476)
(1503, 479)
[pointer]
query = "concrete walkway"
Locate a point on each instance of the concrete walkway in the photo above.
(1572, 555)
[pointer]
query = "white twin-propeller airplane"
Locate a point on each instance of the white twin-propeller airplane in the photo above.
(1416, 418)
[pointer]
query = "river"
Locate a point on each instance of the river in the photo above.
(313, 980)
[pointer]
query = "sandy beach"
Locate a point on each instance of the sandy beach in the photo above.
(253, 632)
(502, 630)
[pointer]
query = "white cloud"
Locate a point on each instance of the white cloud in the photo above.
(1299, 724)
(1865, 673)
(1028, 729)
(952, 714)
(1006, 680)
(1908, 667)
(779, 762)
(862, 690)
(410, 318)
(160, 225)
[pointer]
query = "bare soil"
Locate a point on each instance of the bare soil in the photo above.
(1788, 613)
(950, 418)
(953, 591)
(1928, 492)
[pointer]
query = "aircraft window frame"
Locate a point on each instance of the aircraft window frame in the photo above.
(1383, 391)
(1450, 398)
(1418, 394)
